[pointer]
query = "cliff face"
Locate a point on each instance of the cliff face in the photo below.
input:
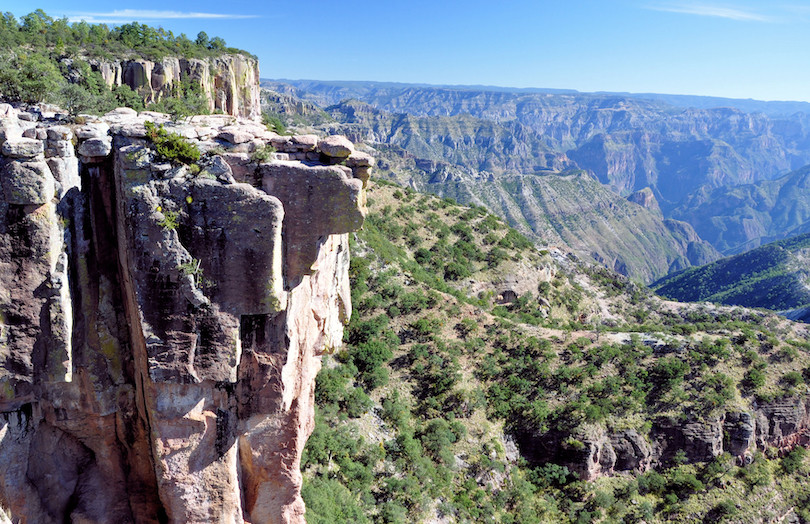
(160, 331)
(781, 424)
(230, 82)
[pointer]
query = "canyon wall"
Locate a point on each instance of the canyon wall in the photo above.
(161, 325)
(229, 82)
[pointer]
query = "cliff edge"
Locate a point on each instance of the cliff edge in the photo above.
(161, 324)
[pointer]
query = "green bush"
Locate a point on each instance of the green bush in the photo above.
(329, 502)
(794, 460)
(171, 146)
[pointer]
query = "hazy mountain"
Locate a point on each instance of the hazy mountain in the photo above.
(737, 218)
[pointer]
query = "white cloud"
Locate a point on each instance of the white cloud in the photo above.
(120, 16)
(716, 11)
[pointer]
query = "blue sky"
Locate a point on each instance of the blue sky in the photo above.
(739, 49)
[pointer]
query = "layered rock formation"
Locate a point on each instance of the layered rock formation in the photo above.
(230, 82)
(781, 424)
(161, 325)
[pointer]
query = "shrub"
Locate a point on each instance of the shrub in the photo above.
(263, 154)
(171, 146)
(329, 502)
(456, 271)
(273, 123)
(793, 461)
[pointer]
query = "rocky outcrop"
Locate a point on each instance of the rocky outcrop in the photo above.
(161, 326)
(230, 82)
(594, 451)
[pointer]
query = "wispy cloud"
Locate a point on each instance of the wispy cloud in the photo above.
(119, 16)
(716, 11)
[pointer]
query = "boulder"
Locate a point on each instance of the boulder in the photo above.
(632, 451)
(96, 147)
(59, 133)
(360, 159)
(93, 130)
(235, 136)
(9, 129)
(219, 169)
(305, 142)
(23, 148)
(27, 183)
(336, 146)
(59, 148)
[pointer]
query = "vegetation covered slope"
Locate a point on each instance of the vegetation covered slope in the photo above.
(774, 276)
(469, 352)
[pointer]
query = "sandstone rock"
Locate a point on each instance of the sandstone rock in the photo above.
(305, 142)
(130, 129)
(23, 148)
(243, 168)
(156, 117)
(59, 148)
(219, 169)
(316, 199)
(93, 130)
(336, 146)
(10, 129)
(194, 377)
(632, 451)
(7, 111)
(121, 111)
(739, 429)
(27, 183)
(235, 136)
(362, 173)
(360, 159)
(700, 441)
(59, 133)
(96, 147)
(185, 131)
(66, 172)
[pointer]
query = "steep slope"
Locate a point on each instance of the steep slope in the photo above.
(735, 219)
(578, 212)
(775, 276)
(535, 388)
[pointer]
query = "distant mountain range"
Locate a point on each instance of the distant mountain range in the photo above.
(719, 170)
(358, 89)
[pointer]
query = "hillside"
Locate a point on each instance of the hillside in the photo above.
(774, 276)
(485, 380)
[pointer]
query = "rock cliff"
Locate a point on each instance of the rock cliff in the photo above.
(161, 325)
(230, 82)
(781, 425)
